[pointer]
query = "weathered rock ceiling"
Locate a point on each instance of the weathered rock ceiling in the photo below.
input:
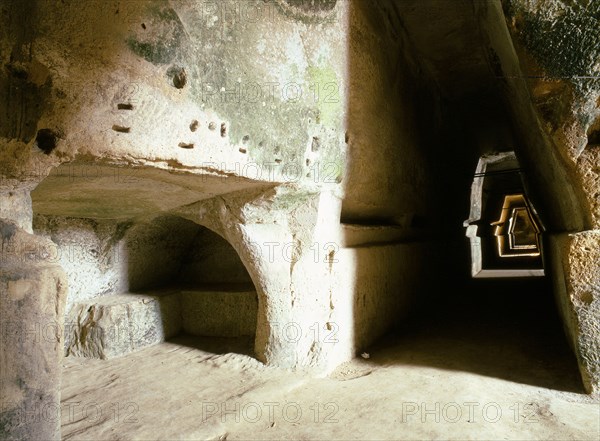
(449, 43)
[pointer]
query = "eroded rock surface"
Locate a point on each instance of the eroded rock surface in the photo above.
(32, 299)
(119, 324)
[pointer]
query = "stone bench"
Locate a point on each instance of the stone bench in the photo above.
(115, 325)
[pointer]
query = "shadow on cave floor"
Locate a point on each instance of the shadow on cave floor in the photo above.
(507, 329)
(217, 345)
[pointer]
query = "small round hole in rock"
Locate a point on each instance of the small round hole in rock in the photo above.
(223, 130)
(316, 144)
(212, 126)
(178, 76)
(593, 133)
(46, 140)
(245, 139)
(194, 125)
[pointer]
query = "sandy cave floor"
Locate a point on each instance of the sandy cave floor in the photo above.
(509, 382)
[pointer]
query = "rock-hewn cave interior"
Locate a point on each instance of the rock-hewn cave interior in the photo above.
(299, 219)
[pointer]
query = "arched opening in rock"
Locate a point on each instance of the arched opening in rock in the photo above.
(135, 282)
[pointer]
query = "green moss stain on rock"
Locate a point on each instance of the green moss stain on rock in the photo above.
(564, 38)
(272, 113)
(275, 129)
(160, 40)
(326, 87)
(330, 110)
(275, 123)
(23, 99)
(290, 199)
(307, 11)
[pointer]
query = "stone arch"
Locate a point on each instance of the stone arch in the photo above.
(247, 214)
(137, 284)
(245, 254)
(120, 196)
(216, 216)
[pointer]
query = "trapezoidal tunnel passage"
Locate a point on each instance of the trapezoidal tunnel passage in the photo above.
(504, 229)
(459, 199)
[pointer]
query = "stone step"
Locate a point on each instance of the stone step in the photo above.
(115, 325)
